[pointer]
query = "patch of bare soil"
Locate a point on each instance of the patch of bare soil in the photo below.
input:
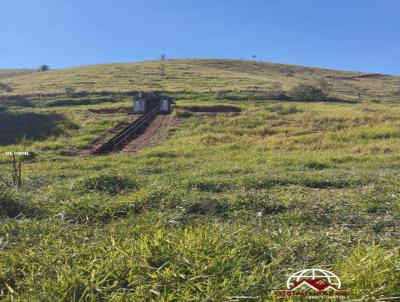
(363, 76)
(217, 108)
(373, 76)
(126, 110)
(154, 134)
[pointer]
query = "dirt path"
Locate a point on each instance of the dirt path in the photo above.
(156, 133)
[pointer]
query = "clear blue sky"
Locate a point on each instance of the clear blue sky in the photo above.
(344, 34)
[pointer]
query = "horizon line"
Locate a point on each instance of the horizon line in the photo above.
(201, 58)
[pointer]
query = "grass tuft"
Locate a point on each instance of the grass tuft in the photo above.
(106, 182)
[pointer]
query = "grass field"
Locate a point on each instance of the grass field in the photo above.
(196, 75)
(225, 209)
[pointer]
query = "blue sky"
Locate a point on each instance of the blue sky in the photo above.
(343, 34)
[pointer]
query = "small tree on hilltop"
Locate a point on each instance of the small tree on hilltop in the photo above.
(44, 67)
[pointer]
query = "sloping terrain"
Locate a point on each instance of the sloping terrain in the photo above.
(199, 75)
(9, 73)
(224, 206)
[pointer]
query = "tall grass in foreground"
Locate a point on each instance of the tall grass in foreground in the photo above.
(224, 210)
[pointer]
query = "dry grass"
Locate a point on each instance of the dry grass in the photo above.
(201, 75)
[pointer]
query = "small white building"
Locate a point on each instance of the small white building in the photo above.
(149, 102)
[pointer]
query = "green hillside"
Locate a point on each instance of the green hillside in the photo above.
(9, 73)
(223, 207)
(199, 75)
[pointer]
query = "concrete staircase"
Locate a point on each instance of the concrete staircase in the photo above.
(127, 134)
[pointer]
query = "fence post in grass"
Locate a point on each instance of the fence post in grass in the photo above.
(17, 167)
(14, 167)
(19, 173)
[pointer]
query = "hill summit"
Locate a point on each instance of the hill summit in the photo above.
(195, 75)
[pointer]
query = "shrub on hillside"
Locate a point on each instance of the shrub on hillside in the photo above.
(44, 67)
(12, 205)
(108, 183)
(276, 95)
(306, 92)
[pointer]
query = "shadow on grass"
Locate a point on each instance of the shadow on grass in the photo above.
(16, 101)
(79, 102)
(215, 108)
(32, 126)
(5, 87)
(276, 96)
(339, 100)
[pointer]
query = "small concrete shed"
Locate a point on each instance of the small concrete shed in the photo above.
(145, 104)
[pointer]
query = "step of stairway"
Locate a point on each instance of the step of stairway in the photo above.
(129, 133)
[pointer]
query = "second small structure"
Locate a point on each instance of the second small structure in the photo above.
(148, 103)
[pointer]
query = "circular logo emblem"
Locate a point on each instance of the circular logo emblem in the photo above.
(319, 278)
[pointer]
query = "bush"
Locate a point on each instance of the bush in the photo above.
(44, 67)
(277, 95)
(306, 92)
(109, 183)
(12, 205)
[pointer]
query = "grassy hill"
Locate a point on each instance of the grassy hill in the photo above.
(225, 208)
(10, 73)
(198, 75)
